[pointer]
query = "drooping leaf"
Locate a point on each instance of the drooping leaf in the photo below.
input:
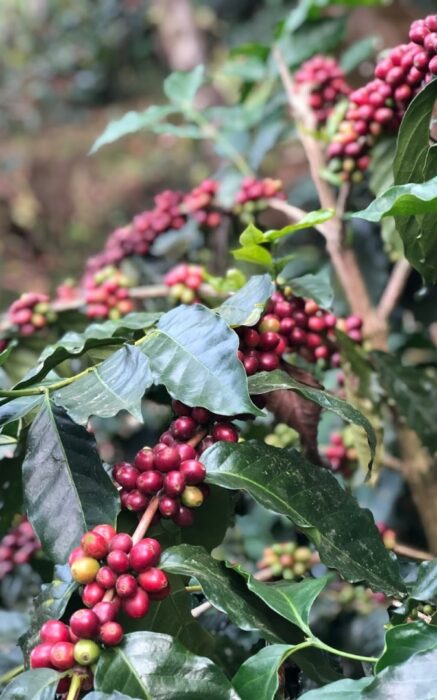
(50, 604)
(150, 666)
(117, 384)
(402, 641)
(317, 287)
(258, 677)
(283, 481)
(424, 588)
(38, 684)
(414, 389)
(66, 489)
(131, 122)
(311, 219)
(263, 382)
(402, 200)
(18, 408)
(181, 87)
(244, 308)
(193, 353)
(346, 689)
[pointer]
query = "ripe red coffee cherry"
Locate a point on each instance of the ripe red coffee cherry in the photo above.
(137, 606)
(106, 611)
(202, 415)
(316, 323)
(269, 340)
(121, 541)
(85, 570)
(174, 483)
(184, 517)
(193, 471)
(40, 656)
(145, 460)
(86, 652)
(167, 438)
(92, 594)
(54, 631)
(94, 545)
(268, 361)
(150, 482)
(126, 586)
(250, 365)
(168, 506)
(144, 554)
(186, 451)
(168, 458)
(180, 408)
(225, 432)
(153, 580)
(85, 624)
(192, 497)
(111, 633)
(62, 655)
(127, 477)
(106, 531)
(106, 577)
(136, 501)
(118, 561)
(184, 428)
(76, 553)
(250, 337)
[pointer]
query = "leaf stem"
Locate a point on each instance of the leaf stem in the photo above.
(9, 675)
(193, 589)
(75, 685)
(146, 519)
(215, 135)
(346, 654)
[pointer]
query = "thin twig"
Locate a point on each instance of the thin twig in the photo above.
(412, 553)
(146, 519)
(394, 288)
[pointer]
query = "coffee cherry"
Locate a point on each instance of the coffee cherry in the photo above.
(106, 531)
(225, 432)
(168, 506)
(150, 482)
(180, 408)
(126, 586)
(145, 460)
(184, 427)
(268, 340)
(251, 364)
(93, 593)
(153, 580)
(160, 595)
(106, 611)
(121, 541)
(137, 606)
(144, 554)
(106, 577)
(86, 652)
(54, 631)
(136, 501)
(192, 497)
(184, 517)
(85, 570)
(76, 553)
(62, 655)
(118, 561)
(127, 477)
(85, 624)
(94, 545)
(40, 656)
(193, 471)
(202, 415)
(186, 451)
(269, 324)
(174, 483)
(168, 458)
(268, 361)
(111, 633)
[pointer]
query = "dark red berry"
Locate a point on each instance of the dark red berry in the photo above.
(180, 408)
(184, 428)
(121, 541)
(144, 554)
(168, 458)
(268, 361)
(92, 593)
(150, 482)
(54, 631)
(153, 580)
(106, 577)
(94, 545)
(174, 483)
(202, 415)
(250, 337)
(268, 340)
(168, 506)
(136, 501)
(40, 656)
(118, 561)
(106, 611)
(193, 471)
(145, 460)
(85, 624)
(225, 432)
(186, 451)
(62, 655)
(126, 586)
(137, 606)
(111, 633)
(127, 477)
(184, 517)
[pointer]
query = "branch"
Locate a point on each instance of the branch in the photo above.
(394, 288)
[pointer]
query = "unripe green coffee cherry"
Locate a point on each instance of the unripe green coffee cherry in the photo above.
(192, 497)
(86, 652)
(299, 568)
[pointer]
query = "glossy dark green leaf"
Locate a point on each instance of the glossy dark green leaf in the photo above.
(181, 88)
(311, 219)
(153, 666)
(346, 689)
(193, 353)
(290, 600)
(258, 677)
(414, 389)
(416, 161)
(402, 641)
(402, 200)
(66, 489)
(283, 481)
(18, 408)
(244, 308)
(254, 254)
(131, 122)
(119, 383)
(317, 287)
(211, 520)
(38, 684)
(424, 588)
(264, 382)
(50, 604)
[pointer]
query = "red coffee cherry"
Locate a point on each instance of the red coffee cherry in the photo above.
(184, 428)
(76, 553)
(153, 580)
(94, 545)
(126, 476)
(174, 483)
(150, 482)
(106, 531)
(168, 506)
(40, 656)
(225, 432)
(93, 593)
(85, 624)
(111, 633)
(118, 561)
(106, 611)
(126, 586)
(186, 451)
(145, 460)
(168, 458)
(144, 554)
(136, 501)
(62, 655)
(121, 541)
(202, 415)
(54, 631)
(137, 606)
(193, 471)
(268, 361)
(106, 577)
(180, 408)
(184, 517)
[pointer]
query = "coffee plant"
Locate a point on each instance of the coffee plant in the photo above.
(277, 395)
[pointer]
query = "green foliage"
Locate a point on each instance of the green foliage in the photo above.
(317, 287)
(38, 684)
(245, 307)
(403, 200)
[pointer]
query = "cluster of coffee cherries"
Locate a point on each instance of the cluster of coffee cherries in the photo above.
(253, 196)
(107, 294)
(341, 455)
(286, 560)
(379, 106)
(388, 535)
(282, 436)
(17, 547)
(357, 599)
(199, 203)
(117, 573)
(185, 281)
(171, 469)
(30, 313)
(292, 324)
(325, 82)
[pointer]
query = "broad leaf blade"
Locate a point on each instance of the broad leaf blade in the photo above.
(130, 123)
(317, 287)
(119, 383)
(283, 481)
(38, 684)
(258, 677)
(403, 200)
(311, 219)
(254, 254)
(193, 353)
(66, 489)
(18, 408)
(402, 641)
(181, 87)
(425, 586)
(244, 308)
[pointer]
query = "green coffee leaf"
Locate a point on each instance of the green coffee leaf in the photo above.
(131, 123)
(402, 641)
(258, 677)
(244, 308)
(313, 218)
(402, 200)
(38, 684)
(181, 88)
